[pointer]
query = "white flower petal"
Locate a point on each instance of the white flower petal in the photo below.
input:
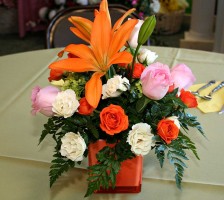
(73, 146)
(65, 103)
(140, 138)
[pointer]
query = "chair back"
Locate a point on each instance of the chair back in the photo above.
(58, 33)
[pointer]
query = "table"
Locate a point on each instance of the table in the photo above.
(24, 165)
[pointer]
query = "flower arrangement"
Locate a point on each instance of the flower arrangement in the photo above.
(107, 92)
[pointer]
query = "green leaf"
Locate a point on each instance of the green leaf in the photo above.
(111, 72)
(59, 166)
(43, 135)
(92, 128)
(142, 103)
(160, 153)
(52, 126)
(103, 174)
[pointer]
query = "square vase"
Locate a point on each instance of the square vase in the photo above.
(129, 178)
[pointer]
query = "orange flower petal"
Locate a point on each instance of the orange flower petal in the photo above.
(104, 7)
(81, 51)
(79, 34)
(121, 57)
(120, 20)
(73, 65)
(83, 25)
(121, 36)
(93, 89)
(100, 37)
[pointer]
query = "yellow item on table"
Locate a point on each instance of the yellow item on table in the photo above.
(213, 105)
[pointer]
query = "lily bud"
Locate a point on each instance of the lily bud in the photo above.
(146, 29)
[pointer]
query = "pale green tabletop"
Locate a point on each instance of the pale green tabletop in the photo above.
(24, 165)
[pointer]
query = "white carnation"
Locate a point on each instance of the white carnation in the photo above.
(147, 56)
(175, 120)
(65, 103)
(115, 86)
(140, 138)
(73, 146)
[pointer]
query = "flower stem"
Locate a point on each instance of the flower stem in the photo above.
(133, 62)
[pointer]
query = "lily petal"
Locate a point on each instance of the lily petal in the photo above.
(79, 34)
(93, 89)
(104, 7)
(121, 36)
(80, 50)
(83, 25)
(73, 65)
(101, 37)
(121, 57)
(120, 20)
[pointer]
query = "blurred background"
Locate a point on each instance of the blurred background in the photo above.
(193, 24)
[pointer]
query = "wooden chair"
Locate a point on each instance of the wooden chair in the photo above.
(58, 33)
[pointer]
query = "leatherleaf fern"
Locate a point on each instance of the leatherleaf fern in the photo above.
(103, 174)
(175, 152)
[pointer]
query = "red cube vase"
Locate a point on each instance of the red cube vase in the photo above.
(129, 178)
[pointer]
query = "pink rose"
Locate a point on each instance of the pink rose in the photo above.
(156, 79)
(42, 99)
(182, 76)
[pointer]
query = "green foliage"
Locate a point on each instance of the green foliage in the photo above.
(76, 82)
(160, 153)
(103, 174)
(176, 154)
(52, 126)
(190, 120)
(59, 166)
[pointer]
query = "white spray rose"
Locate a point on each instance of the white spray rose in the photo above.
(115, 86)
(140, 138)
(146, 56)
(73, 146)
(175, 120)
(133, 39)
(65, 103)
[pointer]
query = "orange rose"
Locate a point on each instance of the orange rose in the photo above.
(55, 75)
(167, 130)
(84, 107)
(188, 98)
(113, 119)
(138, 69)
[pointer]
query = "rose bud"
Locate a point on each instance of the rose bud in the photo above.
(146, 29)
(146, 56)
(188, 99)
(84, 107)
(138, 69)
(133, 39)
(42, 100)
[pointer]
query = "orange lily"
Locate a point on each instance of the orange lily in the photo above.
(105, 44)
